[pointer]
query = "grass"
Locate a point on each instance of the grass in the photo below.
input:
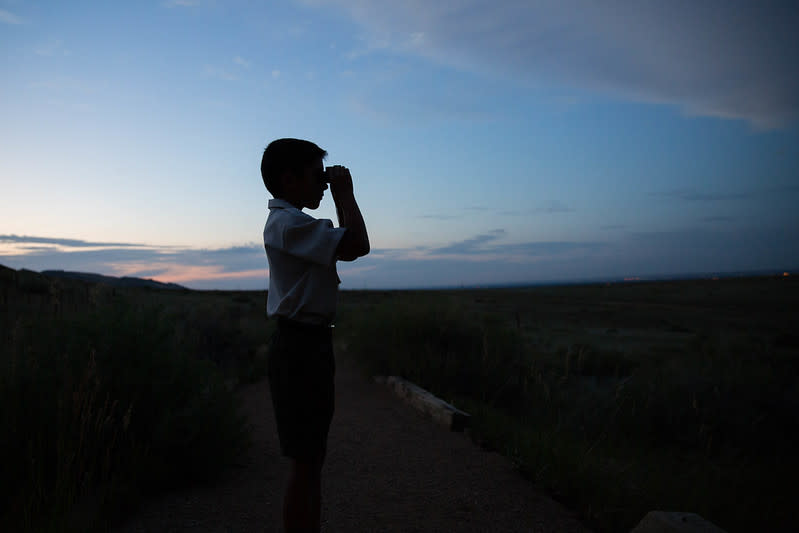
(616, 400)
(109, 396)
(704, 425)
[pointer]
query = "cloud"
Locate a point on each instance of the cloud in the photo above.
(483, 259)
(73, 243)
(180, 264)
(486, 245)
(480, 260)
(9, 18)
(180, 273)
(241, 62)
(443, 272)
(612, 226)
(722, 58)
(471, 245)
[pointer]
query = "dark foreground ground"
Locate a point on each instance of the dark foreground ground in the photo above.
(388, 469)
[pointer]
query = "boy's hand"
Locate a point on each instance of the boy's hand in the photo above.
(355, 242)
(340, 180)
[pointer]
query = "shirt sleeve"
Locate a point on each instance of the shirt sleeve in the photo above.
(313, 240)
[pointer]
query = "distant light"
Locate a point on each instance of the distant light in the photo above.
(785, 274)
(715, 278)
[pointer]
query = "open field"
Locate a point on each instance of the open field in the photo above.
(616, 399)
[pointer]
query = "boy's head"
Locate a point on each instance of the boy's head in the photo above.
(288, 163)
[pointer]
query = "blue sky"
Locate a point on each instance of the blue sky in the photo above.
(490, 142)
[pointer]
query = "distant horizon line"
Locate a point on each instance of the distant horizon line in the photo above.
(577, 281)
(707, 275)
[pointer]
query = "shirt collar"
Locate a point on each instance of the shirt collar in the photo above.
(277, 203)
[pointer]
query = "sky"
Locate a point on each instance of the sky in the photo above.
(490, 142)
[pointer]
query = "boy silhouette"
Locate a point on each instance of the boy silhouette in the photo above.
(303, 284)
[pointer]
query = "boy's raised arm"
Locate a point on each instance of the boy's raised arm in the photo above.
(355, 242)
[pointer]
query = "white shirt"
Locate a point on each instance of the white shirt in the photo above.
(303, 282)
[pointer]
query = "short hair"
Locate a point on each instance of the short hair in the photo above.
(287, 155)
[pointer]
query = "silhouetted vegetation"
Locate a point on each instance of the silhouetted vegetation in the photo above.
(617, 400)
(112, 281)
(108, 396)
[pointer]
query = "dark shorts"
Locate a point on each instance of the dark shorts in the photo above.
(301, 372)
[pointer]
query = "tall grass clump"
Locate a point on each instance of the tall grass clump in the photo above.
(102, 406)
(439, 346)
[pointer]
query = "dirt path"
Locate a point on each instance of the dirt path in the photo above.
(388, 469)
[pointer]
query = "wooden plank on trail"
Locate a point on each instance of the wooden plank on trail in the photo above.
(436, 408)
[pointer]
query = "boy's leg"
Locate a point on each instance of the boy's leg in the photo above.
(302, 501)
(302, 383)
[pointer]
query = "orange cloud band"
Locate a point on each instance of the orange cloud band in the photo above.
(178, 273)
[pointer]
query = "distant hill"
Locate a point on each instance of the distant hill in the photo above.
(112, 281)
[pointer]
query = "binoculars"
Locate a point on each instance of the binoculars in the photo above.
(326, 174)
